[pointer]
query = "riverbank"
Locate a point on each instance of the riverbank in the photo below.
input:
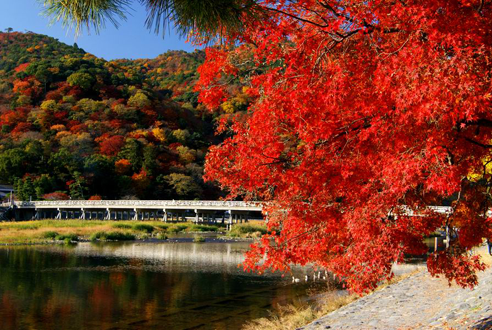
(296, 316)
(52, 231)
(393, 305)
(49, 231)
(417, 302)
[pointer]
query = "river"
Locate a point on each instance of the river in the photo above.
(136, 285)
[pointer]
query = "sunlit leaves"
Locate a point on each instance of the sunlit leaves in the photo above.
(359, 108)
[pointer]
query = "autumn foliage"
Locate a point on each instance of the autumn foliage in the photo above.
(76, 124)
(360, 108)
(56, 196)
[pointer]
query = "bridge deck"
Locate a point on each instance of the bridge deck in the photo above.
(143, 204)
(136, 209)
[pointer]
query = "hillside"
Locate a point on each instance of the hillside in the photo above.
(74, 125)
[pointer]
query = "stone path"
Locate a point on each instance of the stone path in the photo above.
(417, 302)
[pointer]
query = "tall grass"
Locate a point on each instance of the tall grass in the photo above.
(122, 226)
(112, 236)
(143, 227)
(247, 231)
(177, 228)
(297, 315)
(203, 228)
(40, 231)
(198, 239)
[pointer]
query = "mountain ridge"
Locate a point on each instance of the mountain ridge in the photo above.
(77, 126)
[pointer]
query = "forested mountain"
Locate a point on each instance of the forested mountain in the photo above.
(74, 125)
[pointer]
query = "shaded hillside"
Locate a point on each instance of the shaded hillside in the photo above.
(72, 124)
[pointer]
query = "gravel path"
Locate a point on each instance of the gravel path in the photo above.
(417, 302)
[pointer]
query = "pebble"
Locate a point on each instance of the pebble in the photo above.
(418, 302)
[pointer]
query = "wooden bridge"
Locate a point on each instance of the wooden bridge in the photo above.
(165, 210)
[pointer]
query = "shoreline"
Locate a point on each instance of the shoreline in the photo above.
(419, 301)
(145, 241)
(41, 232)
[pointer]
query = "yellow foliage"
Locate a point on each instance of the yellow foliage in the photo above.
(475, 176)
(186, 155)
(62, 134)
(49, 105)
(160, 134)
(58, 128)
(228, 107)
(181, 134)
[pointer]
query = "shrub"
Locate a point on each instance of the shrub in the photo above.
(112, 236)
(144, 237)
(26, 226)
(50, 234)
(163, 227)
(143, 227)
(162, 236)
(203, 228)
(247, 230)
(67, 238)
(199, 239)
(122, 226)
(177, 228)
(56, 196)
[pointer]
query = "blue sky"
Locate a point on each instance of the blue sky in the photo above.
(130, 40)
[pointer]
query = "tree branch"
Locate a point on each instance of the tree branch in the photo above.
(487, 146)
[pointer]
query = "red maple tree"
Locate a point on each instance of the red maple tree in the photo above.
(359, 108)
(111, 145)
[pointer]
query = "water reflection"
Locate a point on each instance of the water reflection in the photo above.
(134, 286)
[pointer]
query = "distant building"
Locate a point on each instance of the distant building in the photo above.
(5, 191)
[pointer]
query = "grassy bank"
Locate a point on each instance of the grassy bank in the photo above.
(247, 230)
(43, 231)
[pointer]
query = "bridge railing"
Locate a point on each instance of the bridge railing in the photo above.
(137, 203)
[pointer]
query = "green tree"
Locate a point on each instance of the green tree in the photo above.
(24, 189)
(82, 80)
(149, 159)
(100, 176)
(77, 187)
(28, 189)
(133, 152)
(13, 164)
(139, 100)
(183, 185)
(44, 184)
(64, 164)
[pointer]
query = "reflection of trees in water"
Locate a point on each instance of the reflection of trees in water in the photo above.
(88, 286)
(219, 257)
